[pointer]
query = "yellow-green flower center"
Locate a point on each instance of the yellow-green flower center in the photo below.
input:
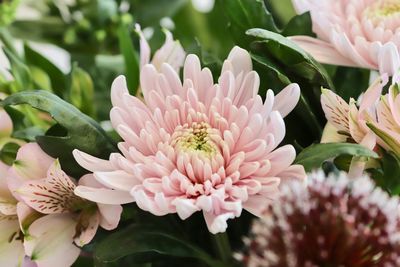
(383, 9)
(198, 137)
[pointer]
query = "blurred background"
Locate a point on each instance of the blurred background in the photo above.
(85, 31)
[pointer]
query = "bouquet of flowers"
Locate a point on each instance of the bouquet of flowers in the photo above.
(145, 133)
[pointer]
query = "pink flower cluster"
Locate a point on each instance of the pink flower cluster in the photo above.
(42, 222)
(375, 121)
(334, 221)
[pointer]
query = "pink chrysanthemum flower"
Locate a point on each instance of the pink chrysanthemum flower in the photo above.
(334, 221)
(195, 145)
(362, 33)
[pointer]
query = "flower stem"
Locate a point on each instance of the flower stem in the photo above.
(222, 247)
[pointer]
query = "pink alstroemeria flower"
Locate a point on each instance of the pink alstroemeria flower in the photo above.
(195, 145)
(349, 120)
(11, 247)
(361, 33)
(387, 125)
(39, 183)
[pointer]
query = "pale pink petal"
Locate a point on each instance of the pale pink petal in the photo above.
(356, 130)
(26, 215)
(287, 99)
(330, 135)
(119, 180)
(27, 262)
(91, 163)
(336, 110)
(89, 223)
(103, 195)
(373, 93)
(31, 164)
(144, 47)
(322, 51)
(389, 59)
(53, 194)
(50, 241)
(217, 223)
(11, 248)
(119, 90)
(185, 207)
(7, 201)
(6, 125)
(171, 52)
(238, 61)
(110, 216)
(258, 203)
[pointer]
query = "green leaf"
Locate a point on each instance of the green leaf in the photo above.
(82, 90)
(8, 152)
(247, 14)
(350, 82)
(56, 76)
(389, 178)
(391, 142)
(266, 62)
(299, 25)
(40, 78)
(291, 55)
(130, 58)
(19, 70)
(313, 156)
(144, 244)
(76, 129)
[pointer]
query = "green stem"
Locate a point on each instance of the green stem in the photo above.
(223, 247)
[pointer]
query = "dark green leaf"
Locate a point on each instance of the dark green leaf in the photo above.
(130, 57)
(8, 152)
(299, 25)
(247, 14)
(313, 156)
(389, 178)
(144, 244)
(291, 55)
(81, 131)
